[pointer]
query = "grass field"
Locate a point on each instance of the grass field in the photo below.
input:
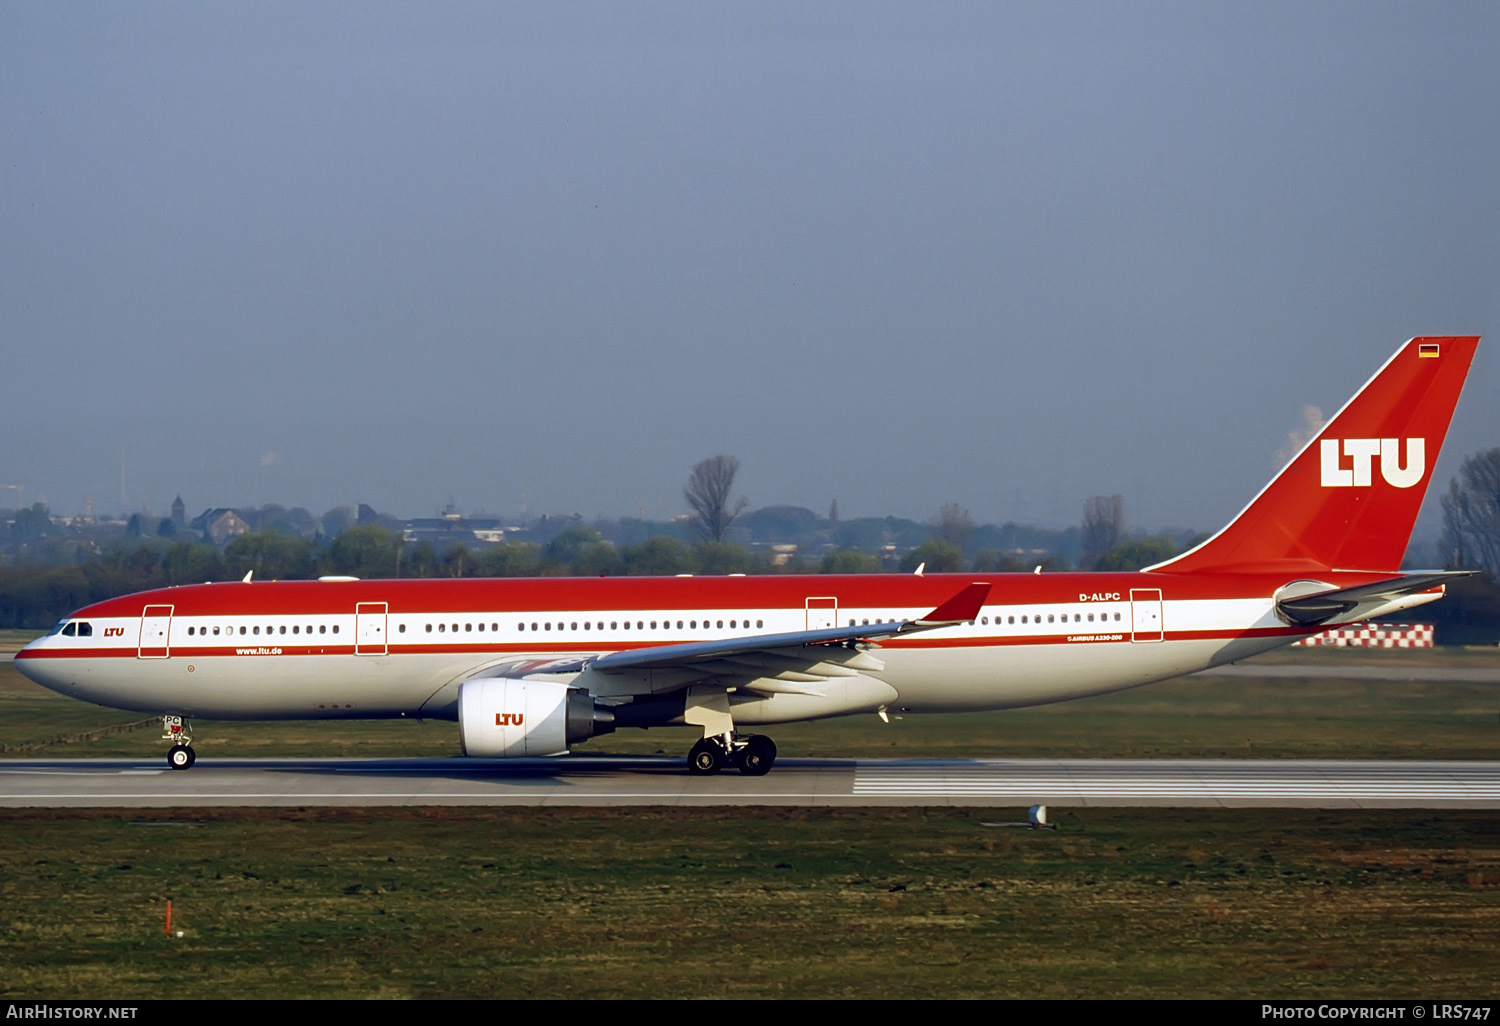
(750, 903)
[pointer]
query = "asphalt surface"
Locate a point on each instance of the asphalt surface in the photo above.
(585, 781)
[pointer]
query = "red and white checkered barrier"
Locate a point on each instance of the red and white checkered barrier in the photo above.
(1375, 635)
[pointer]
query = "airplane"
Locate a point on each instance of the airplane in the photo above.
(532, 667)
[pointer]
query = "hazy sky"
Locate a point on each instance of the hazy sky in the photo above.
(896, 255)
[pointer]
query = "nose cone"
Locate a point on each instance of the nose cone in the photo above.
(33, 663)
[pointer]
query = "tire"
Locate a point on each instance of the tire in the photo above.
(706, 758)
(180, 757)
(757, 757)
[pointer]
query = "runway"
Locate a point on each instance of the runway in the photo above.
(583, 781)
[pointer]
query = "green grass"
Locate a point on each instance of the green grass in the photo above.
(749, 903)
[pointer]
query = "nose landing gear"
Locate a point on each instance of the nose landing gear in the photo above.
(180, 732)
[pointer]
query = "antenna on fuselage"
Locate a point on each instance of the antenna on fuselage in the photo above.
(246, 578)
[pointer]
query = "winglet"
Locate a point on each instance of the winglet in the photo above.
(960, 608)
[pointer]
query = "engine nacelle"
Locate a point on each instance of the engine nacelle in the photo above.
(505, 718)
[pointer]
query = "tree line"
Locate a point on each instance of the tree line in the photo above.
(37, 595)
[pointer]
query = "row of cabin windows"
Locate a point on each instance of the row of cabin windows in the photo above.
(615, 625)
(1025, 618)
(1077, 618)
(83, 629)
(296, 629)
(589, 625)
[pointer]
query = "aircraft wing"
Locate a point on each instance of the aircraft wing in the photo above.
(1311, 607)
(961, 608)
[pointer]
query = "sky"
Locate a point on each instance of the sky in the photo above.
(539, 257)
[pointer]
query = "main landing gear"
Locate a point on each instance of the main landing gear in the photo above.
(753, 754)
(180, 732)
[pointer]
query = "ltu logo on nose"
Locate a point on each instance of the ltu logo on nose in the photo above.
(1362, 452)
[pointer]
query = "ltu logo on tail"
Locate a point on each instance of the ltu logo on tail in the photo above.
(1362, 452)
(509, 719)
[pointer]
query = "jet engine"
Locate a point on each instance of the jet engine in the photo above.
(506, 718)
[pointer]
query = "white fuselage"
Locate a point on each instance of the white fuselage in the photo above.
(380, 663)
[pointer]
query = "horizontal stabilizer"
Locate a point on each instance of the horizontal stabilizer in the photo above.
(1315, 607)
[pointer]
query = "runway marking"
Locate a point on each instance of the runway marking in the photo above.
(992, 779)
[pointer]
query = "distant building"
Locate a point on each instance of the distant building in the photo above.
(220, 526)
(782, 554)
(179, 512)
(452, 528)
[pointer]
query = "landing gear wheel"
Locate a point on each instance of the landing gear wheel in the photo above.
(181, 757)
(706, 758)
(757, 756)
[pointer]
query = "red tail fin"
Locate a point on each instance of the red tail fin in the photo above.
(1349, 499)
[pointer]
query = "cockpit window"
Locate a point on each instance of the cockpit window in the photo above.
(58, 629)
(70, 630)
(85, 629)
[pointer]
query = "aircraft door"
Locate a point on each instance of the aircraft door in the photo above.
(369, 628)
(822, 612)
(156, 627)
(1145, 614)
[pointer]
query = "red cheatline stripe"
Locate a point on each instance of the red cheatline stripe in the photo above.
(581, 647)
